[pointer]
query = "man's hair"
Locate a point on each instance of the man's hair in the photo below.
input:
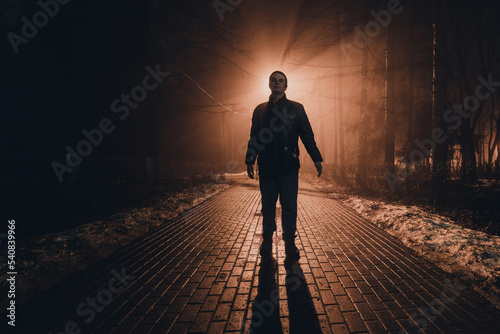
(283, 74)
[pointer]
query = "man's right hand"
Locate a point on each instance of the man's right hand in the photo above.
(250, 171)
(319, 168)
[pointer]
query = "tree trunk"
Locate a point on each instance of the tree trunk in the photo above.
(409, 137)
(335, 132)
(497, 163)
(340, 127)
(439, 104)
(363, 128)
(390, 102)
(467, 147)
(340, 105)
(492, 141)
(223, 137)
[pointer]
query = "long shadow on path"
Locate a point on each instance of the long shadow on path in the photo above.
(265, 308)
(302, 313)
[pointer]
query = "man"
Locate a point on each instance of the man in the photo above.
(276, 128)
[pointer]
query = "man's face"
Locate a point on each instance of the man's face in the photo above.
(277, 83)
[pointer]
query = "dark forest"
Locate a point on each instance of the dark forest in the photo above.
(112, 105)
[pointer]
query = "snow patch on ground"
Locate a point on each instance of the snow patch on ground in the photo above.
(470, 254)
(45, 260)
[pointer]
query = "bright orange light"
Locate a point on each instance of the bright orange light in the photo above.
(265, 91)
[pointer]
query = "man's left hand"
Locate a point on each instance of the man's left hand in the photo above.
(319, 168)
(250, 171)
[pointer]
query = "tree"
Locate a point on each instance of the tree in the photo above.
(340, 106)
(390, 102)
(439, 105)
(363, 133)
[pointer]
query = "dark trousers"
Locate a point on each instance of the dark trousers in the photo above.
(287, 187)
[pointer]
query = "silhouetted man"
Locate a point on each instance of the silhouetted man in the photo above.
(276, 127)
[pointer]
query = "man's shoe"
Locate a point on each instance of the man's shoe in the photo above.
(266, 248)
(291, 251)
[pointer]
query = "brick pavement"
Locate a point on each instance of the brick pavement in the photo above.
(202, 273)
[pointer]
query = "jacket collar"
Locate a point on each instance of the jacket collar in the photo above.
(278, 103)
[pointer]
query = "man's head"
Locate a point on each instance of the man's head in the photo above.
(278, 83)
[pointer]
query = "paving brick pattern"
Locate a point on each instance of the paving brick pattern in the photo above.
(201, 273)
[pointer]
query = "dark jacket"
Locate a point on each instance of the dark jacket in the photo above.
(274, 137)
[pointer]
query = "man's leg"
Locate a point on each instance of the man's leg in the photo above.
(288, 186)
(269, 193)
